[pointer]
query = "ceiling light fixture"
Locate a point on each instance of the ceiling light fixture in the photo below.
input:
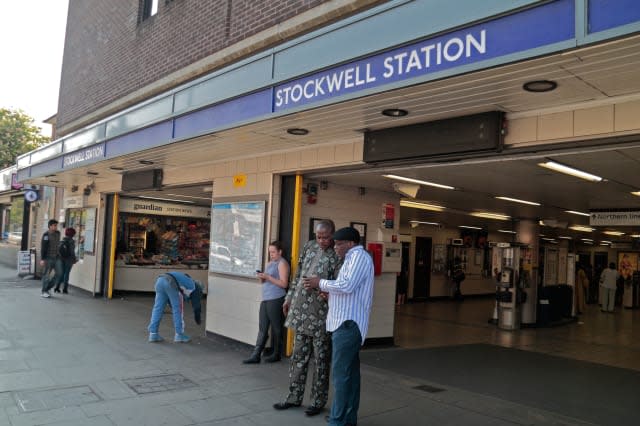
(166, 199)
(92, 173)
(419, 205)
(613, 233)
(189, 196)
(605, 242)
(562, 237)
(146, 162)
(116, 168)
(469, 227)
(577, 212)
(297, 131)
(419, 222)
(635, 235)
(419, 182)
(488, 215)
(586, 239)
(516, 200)
(636, 193)
(582, 228)
(557, 167)
(540, 86)
(395, 112)
(504, 231)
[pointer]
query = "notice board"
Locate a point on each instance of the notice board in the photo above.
(237, 238)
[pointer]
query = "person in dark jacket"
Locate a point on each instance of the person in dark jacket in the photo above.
(457, 275)
(49, 257)
(67, 259)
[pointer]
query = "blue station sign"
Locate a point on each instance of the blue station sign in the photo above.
(537, 27)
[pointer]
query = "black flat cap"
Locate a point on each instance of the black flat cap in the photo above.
(347, 234)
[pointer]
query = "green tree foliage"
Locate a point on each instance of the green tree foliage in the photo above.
(18, 135)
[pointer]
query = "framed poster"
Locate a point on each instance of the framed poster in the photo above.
(237, 238)
(312, 227)
(439, 258)
(362, 230)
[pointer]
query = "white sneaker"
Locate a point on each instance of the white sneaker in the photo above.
(45, 294)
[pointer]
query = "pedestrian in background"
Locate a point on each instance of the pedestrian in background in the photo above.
(67, 258)
(306, 314)
(350, 298)
(174, 288)
(49, 258)
(275, 280)
(608, 280)
(582, 286)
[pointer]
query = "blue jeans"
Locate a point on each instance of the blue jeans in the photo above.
(346, 341)
(54, 264)
(64, 279)
(167, 292)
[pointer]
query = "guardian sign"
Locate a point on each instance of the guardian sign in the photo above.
(536, 27)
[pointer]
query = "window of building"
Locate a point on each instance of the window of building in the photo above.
(149, 8)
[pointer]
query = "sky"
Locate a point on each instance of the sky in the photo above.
(32, 40)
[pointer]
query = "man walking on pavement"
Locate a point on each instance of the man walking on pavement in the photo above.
(350, 298)
(306, 312)
(49, 257)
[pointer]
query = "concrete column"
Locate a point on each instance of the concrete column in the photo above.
(528, 232)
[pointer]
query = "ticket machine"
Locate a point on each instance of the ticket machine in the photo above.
(510, 294)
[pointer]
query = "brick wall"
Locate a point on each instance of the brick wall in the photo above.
(109, 53)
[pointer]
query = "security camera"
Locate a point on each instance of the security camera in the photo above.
(407, 189)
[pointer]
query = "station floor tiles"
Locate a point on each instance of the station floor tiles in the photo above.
(603, 338)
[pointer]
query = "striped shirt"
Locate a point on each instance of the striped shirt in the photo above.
(351, 294)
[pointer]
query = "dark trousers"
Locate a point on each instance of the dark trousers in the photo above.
(271, 315)
(64, 278)
(346, 341)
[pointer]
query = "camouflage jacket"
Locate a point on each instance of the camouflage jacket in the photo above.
(308, 310)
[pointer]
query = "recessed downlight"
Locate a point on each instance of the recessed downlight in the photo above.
(116, 168)
(395, 112)
(146, 162)
(540, 86)
(92, 173)
(297, 131)
(469, 227)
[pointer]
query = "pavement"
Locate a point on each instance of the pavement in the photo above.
(75, 360)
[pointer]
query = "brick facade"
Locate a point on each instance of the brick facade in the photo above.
(109, 53)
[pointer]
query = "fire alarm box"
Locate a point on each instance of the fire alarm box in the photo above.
(375, 249)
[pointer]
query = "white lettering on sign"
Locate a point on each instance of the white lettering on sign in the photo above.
(84, 155)
(630, 218)
(396, 65)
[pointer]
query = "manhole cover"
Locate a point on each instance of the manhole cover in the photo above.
(164, 383)
(55, 398)
(430, 389)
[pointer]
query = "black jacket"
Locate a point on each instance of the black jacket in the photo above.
(46, 242)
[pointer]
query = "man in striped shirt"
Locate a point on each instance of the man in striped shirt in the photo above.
(350, 297)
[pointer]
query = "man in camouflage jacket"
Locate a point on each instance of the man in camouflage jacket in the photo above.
(306, 313)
